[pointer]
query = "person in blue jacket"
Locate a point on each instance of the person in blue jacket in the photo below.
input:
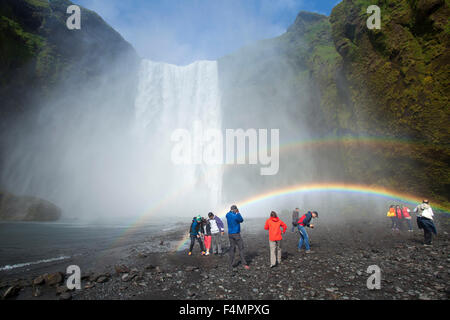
(305, 221)
(234, 220)
(194, 231)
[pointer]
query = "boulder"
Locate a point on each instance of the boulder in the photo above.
(39, 280)
(121, 269)
(11, 292)
(53, 279)
(65, 296)
(24, 208)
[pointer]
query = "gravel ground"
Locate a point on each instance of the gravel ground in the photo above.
(335, 270)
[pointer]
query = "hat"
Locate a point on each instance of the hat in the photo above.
(210, 214)
(233, 207)
(199, 218)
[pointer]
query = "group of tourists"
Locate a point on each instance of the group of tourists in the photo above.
(398, 214)
(208, 233)
(424, 219)
(208, 230)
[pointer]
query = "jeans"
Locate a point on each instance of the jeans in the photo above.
(303, 237)
(427, 236)
(408, 220)
(236, 241)
(193, 238)
(275, 252)
(394, 224)
(216, 243)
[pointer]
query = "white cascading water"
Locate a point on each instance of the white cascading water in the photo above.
(174, 97)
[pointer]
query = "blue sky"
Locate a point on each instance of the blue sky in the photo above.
(182, 31)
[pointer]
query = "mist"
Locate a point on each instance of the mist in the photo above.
(101, 149)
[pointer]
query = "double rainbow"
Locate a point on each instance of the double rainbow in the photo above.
(329, 187)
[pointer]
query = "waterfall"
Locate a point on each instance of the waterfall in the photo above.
(171, 97)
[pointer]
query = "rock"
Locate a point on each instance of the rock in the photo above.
(121, 269)
(61, 290)
(423, 296)
(398, 289)
(190, 293)
(190, 268)
(89, 285)
(11, 292)
(36, 291)
(39, 280)
(54, 278)
(128, 277)
(102, 279)
(150, 267)
(65, 296)
(142, 255)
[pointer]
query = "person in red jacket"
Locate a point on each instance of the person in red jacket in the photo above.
(274, 225)
(407, 216)
(399, 213)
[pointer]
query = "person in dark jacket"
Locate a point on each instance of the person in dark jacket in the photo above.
(207, 235)
(295, 216)
(305, 221)
(194, 232)
(234, 220)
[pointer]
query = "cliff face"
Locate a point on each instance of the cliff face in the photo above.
(397, 79)
(355, 82)
(39, 53)
(51, 79)
(14, 208)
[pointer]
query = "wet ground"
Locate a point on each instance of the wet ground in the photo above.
(335, 270)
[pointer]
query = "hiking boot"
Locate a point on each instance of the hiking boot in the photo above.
(203, 253)
(246, 267)
(190, 253)
(273, 266)
(207, 253)
(308, 251)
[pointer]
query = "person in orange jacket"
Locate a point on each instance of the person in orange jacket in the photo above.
(274, 225)
(393, 215)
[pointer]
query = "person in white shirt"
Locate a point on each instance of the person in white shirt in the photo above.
(425, 221)
(217, 231)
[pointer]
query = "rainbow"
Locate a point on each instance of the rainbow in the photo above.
(331, 141)
(328, 187)
(353, 140)
(368, 142)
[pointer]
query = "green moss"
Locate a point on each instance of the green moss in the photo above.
(38, 3)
